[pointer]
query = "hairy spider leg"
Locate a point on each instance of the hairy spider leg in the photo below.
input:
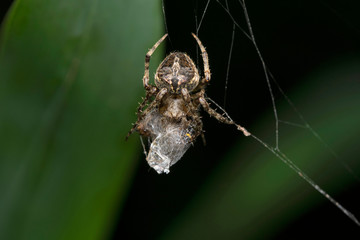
(139, 111)
(151, 90)
(147, 61)
(219, 116)
(141, 114)
(205, 59)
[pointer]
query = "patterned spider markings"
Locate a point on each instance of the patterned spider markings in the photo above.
(171, 119)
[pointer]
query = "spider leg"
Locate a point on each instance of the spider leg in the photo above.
(131, 131)
(158, 98)
(142, 113)
(205, 59)
(191, 101)
(220, 117)
(146, 100)
(147, 61)
(187, 98)
(197, 95)
(186, 95)
(154, 103)
(139, 112)
(143, 145)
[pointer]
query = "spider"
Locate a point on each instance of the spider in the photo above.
(170, 112)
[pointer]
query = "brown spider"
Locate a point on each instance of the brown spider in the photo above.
(172, 120)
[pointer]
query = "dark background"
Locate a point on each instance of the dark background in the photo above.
(294, 37)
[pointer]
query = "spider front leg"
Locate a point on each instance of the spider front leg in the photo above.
(157, 99)
(205, 61)
(147, 61)
(220, 117)
(150, 90)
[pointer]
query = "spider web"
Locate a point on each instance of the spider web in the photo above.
(240, 21)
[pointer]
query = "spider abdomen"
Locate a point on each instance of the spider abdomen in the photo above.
(177, 71)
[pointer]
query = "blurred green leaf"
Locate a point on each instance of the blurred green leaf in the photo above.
(253, 195)
(70, 80)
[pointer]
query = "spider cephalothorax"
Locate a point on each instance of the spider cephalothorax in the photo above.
(171, 119)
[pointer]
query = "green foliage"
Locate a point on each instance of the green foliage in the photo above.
(70, 82)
